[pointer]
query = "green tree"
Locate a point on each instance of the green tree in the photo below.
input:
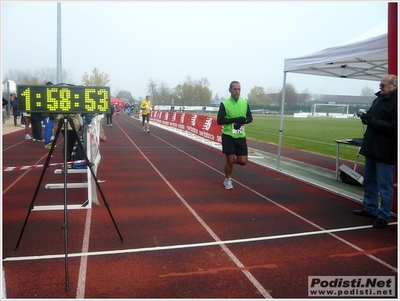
(97, 78)
(257, 98)
(192, 92)
(126, 95)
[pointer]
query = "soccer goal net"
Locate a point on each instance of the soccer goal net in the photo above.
(334, 110)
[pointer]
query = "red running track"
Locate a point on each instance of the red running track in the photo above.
(185, 236)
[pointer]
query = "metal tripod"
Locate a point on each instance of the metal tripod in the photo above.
(65, 122)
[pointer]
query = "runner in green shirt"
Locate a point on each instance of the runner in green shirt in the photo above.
(233, 114)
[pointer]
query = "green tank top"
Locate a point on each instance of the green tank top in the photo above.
(234, 109)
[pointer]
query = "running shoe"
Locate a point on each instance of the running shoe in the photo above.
(48, 145)
(28, 137)
(228, 183)
(148, 131)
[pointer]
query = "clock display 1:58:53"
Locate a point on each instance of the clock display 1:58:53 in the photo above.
(63, 99)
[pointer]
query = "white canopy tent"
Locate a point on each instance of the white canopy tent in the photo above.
(367, 60)
(363, 59)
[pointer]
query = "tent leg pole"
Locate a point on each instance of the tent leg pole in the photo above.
(281, 122)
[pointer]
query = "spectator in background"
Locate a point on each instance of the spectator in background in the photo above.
(49, 130)
(36, 123)
(48, 125)
(14, 105)
(109, 115)
(71, 137)
(379, 148)
(22, 119)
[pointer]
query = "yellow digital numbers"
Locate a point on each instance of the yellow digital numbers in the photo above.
(90, 103)
(65, 99)
(52, 102)
(103, 102)
(62, 99)
(27, 94)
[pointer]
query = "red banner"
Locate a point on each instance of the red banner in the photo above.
(200, 125)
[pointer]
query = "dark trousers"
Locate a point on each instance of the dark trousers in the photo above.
(15, 119)
(109, 118)
(71, 139)
(37, 129)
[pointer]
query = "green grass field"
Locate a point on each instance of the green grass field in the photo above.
(312, 134)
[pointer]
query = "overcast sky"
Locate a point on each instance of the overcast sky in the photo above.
(134, 41)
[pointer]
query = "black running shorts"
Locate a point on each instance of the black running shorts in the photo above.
(234, 146)
(146, 117)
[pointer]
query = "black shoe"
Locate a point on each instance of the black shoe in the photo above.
(363, 213)
(380, 223)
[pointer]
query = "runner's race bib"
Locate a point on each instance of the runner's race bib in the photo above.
(238, 131)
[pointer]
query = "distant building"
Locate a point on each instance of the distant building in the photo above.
(345, 100)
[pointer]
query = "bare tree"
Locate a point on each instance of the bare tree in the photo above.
(367, 91)
(152, 90)
(36, 77)
(164, 93)
(305, 97)
(290, 95)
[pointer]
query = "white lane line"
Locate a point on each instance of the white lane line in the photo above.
(291, 212)
(220, 243)
(21, 176)
(80, 292)
(195, 245)
(249, 276)
(3, 294)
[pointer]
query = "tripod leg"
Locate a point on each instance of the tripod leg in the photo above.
(89, 165)
(65, 225)
(45, 166)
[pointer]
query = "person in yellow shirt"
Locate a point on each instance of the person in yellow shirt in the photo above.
(145, 106)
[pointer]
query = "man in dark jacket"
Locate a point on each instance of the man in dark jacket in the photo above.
(380, 150)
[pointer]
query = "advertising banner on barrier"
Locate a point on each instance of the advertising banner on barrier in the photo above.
(200, 125)
(94, 155)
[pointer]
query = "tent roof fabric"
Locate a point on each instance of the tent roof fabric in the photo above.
(117, 100)
(365, 60)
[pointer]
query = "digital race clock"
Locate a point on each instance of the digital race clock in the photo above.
(63, 99)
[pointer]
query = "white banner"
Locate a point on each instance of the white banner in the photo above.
(94, 153)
